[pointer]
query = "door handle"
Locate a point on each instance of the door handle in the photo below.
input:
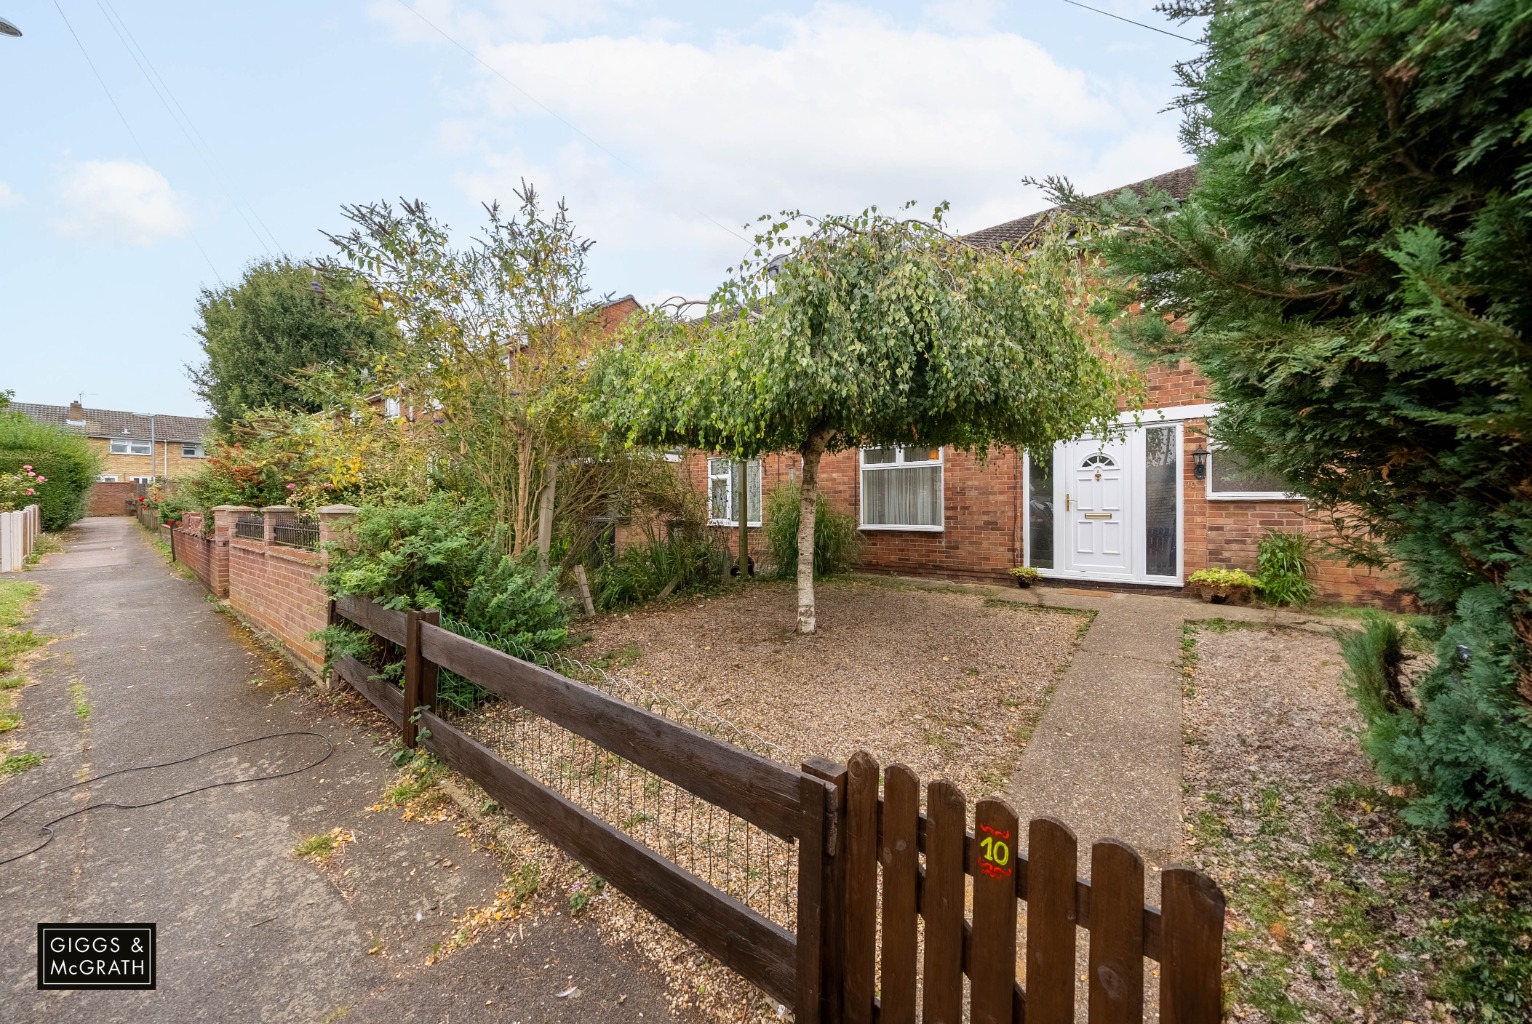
(1066, 502)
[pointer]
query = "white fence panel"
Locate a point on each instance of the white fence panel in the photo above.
(18, 533)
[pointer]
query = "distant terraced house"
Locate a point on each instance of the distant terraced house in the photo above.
(134, 447)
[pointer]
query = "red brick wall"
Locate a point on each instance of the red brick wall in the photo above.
(982, 503)
(274, 589)
(206, 557)
(985, 512)
(109, 499)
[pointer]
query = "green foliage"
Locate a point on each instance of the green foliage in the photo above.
(442, 553)
(1351, 272)
(1282, 565)
(67, 460)
(1459, 738)
(869, 329)
(308, 461)
(1224, 578)
(1026, 572)
(498, 332)
(639, 572)
(837, 542)
(259, 336)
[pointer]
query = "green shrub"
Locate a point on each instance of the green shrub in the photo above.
(67, 460)
(442, 553)
(1282, 564)
(640, 571)
(837, 542)
(1224, 578)
(1462, 740)
(1374, 656)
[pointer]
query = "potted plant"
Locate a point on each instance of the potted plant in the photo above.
(1024, 575)
(1224, 586)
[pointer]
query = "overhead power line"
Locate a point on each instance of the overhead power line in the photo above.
(1130, 21)
(131, 133)
(549, 110)
(183, 121)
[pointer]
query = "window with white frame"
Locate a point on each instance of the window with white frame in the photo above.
(131, 446)
(1229, 480)
(192, 451)
(391, 408)
(107, 478)
(142, 479)
(902, 488)
(722, 485)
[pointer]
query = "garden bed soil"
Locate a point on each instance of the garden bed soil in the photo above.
(950, 684)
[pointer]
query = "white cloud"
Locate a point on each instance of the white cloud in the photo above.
(120, 201)
(8, 196)
(830, 110)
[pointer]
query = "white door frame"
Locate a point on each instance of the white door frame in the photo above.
(1138, 554)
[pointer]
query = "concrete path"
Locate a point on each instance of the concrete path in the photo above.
(1106, 756)
(247, 932)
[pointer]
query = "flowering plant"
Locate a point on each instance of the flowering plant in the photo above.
(18, 489)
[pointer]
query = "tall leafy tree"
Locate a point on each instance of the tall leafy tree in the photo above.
(495, 336)
(1354, 273)
(860, 330)
(259, 337)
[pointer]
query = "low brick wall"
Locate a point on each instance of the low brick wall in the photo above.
(270, 586)
(273, 588)
(203, 555)
(109, 499)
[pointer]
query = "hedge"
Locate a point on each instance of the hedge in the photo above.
(67, 460)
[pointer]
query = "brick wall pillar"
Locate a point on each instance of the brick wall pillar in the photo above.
(223, 529)
(334, 522)
(275, 515)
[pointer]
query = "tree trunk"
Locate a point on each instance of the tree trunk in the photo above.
(812, 450)
(742, 517)
(545, 519)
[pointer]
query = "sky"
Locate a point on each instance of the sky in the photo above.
(229, 133)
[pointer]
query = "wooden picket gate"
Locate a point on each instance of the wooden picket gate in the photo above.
(850, 843)
(887, 837)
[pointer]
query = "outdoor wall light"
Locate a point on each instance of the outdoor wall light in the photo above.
(1200, 463)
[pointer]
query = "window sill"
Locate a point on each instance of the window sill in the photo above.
(907, 529)
(729, 523)
(1255, 496)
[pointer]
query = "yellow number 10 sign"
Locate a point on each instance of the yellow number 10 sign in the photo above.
(994, 852)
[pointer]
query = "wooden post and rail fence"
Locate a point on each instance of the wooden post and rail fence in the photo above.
(954, 903)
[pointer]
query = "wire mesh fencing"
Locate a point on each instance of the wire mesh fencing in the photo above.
(740, 859)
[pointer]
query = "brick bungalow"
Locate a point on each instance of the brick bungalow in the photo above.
(1143, 510)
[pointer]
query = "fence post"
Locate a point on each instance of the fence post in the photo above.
(412, 675)
(427, 668)
(831, 891)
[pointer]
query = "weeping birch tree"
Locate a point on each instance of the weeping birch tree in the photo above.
(495, 337)
(844, 331)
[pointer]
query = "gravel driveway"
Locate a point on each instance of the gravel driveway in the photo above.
(948, 683)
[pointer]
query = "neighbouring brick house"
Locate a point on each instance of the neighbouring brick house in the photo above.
(1146, 509)
(134, 448)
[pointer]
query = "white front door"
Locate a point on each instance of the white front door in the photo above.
(1098, 499)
